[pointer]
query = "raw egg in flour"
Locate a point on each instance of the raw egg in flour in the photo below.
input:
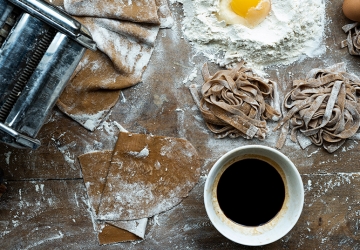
(246, 12)
(351, 9)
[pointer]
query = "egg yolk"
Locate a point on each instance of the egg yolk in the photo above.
(241, 7)
(246, 12)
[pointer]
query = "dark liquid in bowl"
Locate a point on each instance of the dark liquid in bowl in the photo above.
(250, 192)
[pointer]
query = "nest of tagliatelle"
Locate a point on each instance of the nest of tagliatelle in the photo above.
(352, 41)
(235, 102)
(323, 109)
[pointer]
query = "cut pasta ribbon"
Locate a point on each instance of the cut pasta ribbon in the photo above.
(353, 39)
(233, 102)
(323, 108)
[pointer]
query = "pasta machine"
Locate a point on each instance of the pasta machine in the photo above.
(40, 47)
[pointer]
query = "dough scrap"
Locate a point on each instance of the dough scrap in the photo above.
(109, 234)
(324, 107)
(233, 102)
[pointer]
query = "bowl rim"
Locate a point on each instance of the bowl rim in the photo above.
(222, 161)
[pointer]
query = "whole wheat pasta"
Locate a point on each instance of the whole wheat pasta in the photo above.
(233, 102)
(324, 107)
(352, 41)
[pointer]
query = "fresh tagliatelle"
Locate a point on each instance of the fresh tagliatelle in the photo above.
(352, 41)
(233, 102)
(323, 108)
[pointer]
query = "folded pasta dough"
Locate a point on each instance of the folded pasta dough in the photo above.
(144, 11)
(94, 87)
(109, 234)
(143, 176)
(95, 166)
(89, 95)
(127, 47)
(147, 175)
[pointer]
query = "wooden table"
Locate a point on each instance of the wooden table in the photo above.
(46, 205)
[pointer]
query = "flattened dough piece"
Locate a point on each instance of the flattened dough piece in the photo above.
(126, 48)
(109, 234)
(95, 85)
(144, 11)
(83, 98)
(148, 175)
(136, 227)
(95, 166)
(122, 231)
(125, 33)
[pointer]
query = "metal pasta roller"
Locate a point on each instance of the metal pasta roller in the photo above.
(40, 47)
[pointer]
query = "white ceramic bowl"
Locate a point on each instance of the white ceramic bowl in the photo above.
(282, 223)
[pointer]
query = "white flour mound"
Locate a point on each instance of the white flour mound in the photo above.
(293, 30)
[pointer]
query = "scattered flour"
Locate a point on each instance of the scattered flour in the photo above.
(90, 122)
(67, 151)
(7, 157)
(192, 76)
(58, 235)
(142, 154)
(293, 30)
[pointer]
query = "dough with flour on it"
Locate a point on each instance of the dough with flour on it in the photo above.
(95, 168)
(147, 175)
(128, 45)
(125, 46)
(143, 176)
(86, 98)
(144, 11)
(95, 85)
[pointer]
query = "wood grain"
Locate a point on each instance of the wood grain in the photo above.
(46, 206)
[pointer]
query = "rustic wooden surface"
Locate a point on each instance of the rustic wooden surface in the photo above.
(46, 205)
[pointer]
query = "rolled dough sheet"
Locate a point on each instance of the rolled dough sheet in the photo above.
(147, 175)
(83, 99)
(95, 85)
(144, 11)
(124, 50)
(95, 167)
(143, 176)
(128, 45)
